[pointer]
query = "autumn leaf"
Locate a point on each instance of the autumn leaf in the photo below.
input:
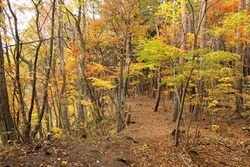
(102, 84)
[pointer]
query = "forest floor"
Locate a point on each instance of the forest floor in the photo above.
(147, 142)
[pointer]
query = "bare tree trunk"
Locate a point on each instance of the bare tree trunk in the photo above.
(7, 126)
(81, 80)
(38, 113)
(239, 81)
(181, 60)
(55, 93)
(33, 71)
(181, 109)
(202, 25)
(47, 77)
(158, 89)
(47, 118)
(119, 122)
(17, 52)
(80, 108)
(53, 105)
(63, 99)
(176, 100)
(200, 84)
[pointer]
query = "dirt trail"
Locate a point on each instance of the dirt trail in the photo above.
(214, 149)
(147, 123)
(145, 143)
(152, 130)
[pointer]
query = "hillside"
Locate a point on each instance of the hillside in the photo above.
(147, 141)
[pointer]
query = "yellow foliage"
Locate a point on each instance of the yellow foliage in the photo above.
(57, 132)
(64, 164)
(71, 109)
(101, 84)
(86, 103)
(94, 69)
(170, 84)
(171, 12)
(244, 114)
(226, 79)
(113, 132)
(226, 71)
(225, 86)
(215, 128)
(212, 104)
(133, 83)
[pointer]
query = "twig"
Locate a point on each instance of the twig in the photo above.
(226, 146)
(187, 159)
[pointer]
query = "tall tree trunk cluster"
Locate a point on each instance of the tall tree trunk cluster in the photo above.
(72, 68)
(47, 102)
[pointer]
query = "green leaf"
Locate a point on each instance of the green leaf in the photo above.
(155, 51)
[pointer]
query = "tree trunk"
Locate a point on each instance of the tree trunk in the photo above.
(202, 26)
(7, 126)
(47, 75)
(178, 92)
(158, 89)
(34, 74)
(239, 65)
(182, 100)
(80, 108)
(63, 99)
(119, 122)
(176, 99)
(200, 84)
(17, 73)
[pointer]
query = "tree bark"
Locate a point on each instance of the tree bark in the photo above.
(239, 65)
(202, 25)
(17, 59)
(63, 99)
(34, 78)
(158, 89)
(179, 92)
(182, 100)
(47, 75)
(119, 121)
(7, 126)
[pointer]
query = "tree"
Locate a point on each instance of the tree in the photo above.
(34, 76)
(77, 72)
(47, 75)
(63, 110)
(239, 50)
(232, 31)
(7, 130)
(17, 80)
(122, 28)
